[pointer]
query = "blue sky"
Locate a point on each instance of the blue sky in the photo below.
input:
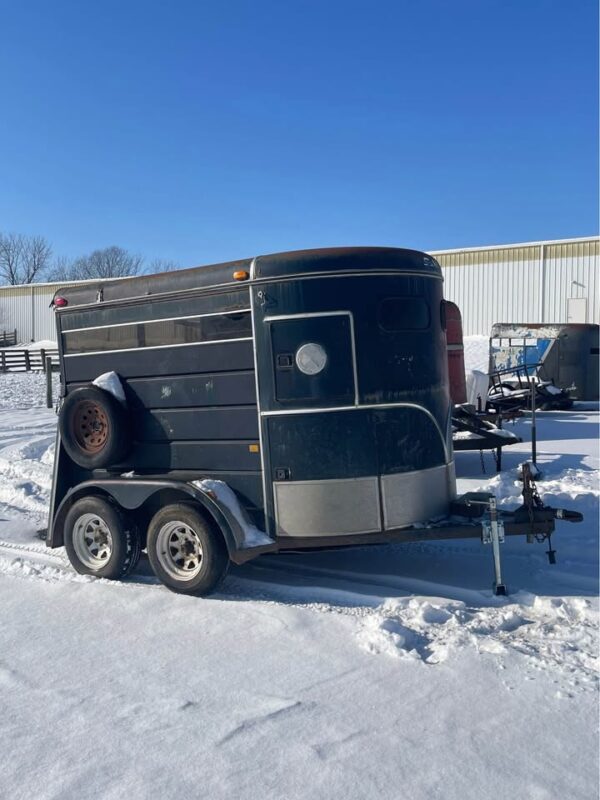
(205, 131)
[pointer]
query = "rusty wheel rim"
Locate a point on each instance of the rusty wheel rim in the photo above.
(90, 426)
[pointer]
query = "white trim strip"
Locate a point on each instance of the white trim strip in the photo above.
(256, 383)
(155, 347)
(162, 319)
(354, 361)
(308, 315)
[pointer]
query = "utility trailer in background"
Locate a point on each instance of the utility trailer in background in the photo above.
(564, 356)
(285, 402)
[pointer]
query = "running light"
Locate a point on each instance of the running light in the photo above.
(60, 302)
(240, 275)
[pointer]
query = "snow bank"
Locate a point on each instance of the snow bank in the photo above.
(553, 633)
(477, 353)
(43, 344)
(25, 389)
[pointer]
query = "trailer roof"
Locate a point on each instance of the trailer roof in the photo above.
(269, 267)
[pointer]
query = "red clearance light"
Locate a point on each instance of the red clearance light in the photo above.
(60, 302)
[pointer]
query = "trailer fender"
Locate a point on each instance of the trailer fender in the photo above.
(131, 494)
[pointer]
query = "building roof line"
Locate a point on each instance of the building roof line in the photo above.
(60, 284)
(482, 248)
(577, 240)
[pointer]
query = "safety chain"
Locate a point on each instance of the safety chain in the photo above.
(532, 500)
(496, 459)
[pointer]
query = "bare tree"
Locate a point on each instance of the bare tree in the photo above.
(37, 253)
(61, 269)
(111, 262)
(162, 265)
(11, 251)
(23, 259)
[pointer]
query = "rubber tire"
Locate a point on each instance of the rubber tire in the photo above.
(118, 442)
(215, 556)
(127, 545)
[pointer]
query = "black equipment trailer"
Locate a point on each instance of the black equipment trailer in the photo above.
(480, 430)
(284, 402)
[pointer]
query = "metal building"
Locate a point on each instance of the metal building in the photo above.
(553, 281)
(26, 309)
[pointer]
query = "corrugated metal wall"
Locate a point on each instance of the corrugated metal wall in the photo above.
(511, 283)
(27, 309)
(522, 283)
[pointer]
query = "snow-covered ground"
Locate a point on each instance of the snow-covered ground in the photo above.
(385, 672)
(42, 344)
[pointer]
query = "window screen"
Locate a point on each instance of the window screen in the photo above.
(165, 332)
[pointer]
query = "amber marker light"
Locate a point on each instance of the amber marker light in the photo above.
(240, 275)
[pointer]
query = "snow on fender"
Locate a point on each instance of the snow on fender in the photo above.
(111, 383)
(253, 536)
(94, 424)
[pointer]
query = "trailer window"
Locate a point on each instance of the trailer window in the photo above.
(159, 333)
(403, 314)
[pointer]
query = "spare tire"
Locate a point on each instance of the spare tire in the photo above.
(94, 428)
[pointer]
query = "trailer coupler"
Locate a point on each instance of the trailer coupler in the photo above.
(533, 510)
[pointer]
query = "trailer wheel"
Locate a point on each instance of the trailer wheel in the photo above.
(94, 428)
(187, 553)
(100, 539)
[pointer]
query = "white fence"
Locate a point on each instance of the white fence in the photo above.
(13, 359)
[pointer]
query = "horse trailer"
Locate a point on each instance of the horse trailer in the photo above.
(285, 402)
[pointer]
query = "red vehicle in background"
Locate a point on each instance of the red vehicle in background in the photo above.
(456, 354)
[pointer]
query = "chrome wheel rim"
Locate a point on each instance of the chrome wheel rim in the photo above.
(179, 550)
(92, 541)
